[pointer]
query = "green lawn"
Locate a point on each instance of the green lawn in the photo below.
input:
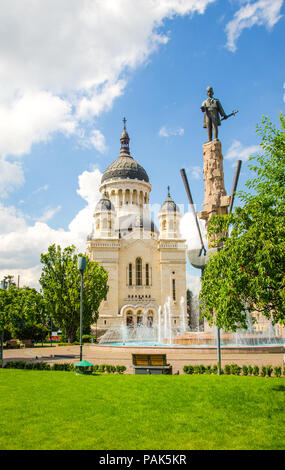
(60, 410)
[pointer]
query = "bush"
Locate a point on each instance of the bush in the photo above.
(227, 369)
(269, 371)
(202, 369)
(277, 371)
(120, 369)
(263, 371)
(250, 370)
(189, 370)
(244, 370)
(215, 369)
(196, 369)
(235, 369)
(255, 371)
(65, 367)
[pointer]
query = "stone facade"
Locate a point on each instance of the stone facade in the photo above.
(145, 265)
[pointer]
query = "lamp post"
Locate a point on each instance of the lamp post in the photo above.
(81, 264)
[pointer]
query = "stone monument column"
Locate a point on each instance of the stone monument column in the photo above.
(216, 201)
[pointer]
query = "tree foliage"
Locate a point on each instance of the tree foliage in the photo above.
(22, 312)
(60, 281)
(248, 273)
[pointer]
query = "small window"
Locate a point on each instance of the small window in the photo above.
(173, 289)
(138, 271)
(130, 274)
(147, 274)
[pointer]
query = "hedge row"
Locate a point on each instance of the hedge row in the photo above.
(63, 367)
(234, 369)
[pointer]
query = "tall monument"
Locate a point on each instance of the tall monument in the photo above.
(216, 201)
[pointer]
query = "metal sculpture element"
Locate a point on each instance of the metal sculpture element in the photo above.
(212, 110)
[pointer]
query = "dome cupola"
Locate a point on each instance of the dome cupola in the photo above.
(169, 205)
(125, 167)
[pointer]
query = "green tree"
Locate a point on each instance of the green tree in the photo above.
(60, 281)
(22, 312)
(248, 273)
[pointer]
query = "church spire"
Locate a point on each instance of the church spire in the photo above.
(125, 140)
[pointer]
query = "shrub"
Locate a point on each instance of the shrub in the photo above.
(250, 370)
(263, 371)
(244, 370)
(208, 370)
(101, 368)
(235, 369)
(269, 371)
(215, 369)
(227, 369)
(41, 366)
(65, 367)
(277, 371)
(255, 370)
(120, 369)
(196, 369)
(202, 369)
(189, 370)
(86, 338)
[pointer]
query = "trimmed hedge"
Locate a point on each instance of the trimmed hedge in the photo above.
(63, 367)
(235, 369)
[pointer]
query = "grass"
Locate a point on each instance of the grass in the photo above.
(60, 410)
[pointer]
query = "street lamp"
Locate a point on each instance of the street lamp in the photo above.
(81, 264)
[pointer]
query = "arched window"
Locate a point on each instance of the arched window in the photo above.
(139, 272)
(130, 274)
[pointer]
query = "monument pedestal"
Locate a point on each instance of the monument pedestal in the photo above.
(216, 201)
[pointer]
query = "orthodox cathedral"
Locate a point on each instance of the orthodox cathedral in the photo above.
(146, 266)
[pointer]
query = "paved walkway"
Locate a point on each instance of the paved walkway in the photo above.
(177, 357)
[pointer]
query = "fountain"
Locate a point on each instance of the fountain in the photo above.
(163, 334)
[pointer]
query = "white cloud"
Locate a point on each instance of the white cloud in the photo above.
(261, 13)
(238, 152)
(41, 188)
(196, 172)
(63, 63)
(11, 176)
(21, 244)
(167, 132)
(97, 139)
(48, 214)
(31, 118)
(190, 232)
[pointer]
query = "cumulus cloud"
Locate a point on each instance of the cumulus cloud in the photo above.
(11, 176)
(64, 63)
(49, 213)
(261, 12)
(21, 243)
(196, 172)
(238, 152)
(190, 232)
(167, 132)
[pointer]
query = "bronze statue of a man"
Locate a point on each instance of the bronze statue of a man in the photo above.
(212, 110)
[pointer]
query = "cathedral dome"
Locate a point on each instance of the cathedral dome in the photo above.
(125, 167)
(169, 205)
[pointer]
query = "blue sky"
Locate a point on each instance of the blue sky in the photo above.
(71, 70)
